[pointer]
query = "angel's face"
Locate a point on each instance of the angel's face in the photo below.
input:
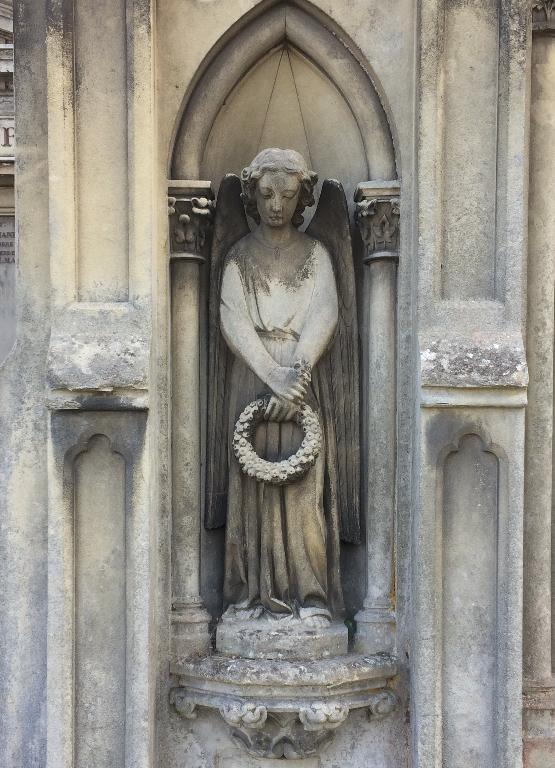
(277, 194)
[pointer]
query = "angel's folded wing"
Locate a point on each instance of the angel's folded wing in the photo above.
(230, 225)
(339, 368)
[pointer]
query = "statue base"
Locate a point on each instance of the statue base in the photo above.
(288, 639)
(284, 709)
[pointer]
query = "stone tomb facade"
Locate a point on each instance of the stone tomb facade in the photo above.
(277, 420)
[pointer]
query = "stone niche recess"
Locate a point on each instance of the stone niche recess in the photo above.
(290, 322)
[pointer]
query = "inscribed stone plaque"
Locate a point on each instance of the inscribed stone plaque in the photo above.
(7, 284)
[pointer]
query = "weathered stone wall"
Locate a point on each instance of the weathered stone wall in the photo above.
(23, 427)
(437, 97)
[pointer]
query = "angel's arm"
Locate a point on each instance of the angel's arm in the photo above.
(321, 321)
(237, 327)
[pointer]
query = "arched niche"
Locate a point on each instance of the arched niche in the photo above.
(285, 77)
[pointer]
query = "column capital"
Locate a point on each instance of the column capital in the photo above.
(191, 213)
(377, 217)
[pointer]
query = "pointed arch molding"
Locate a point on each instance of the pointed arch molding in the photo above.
(245, 44)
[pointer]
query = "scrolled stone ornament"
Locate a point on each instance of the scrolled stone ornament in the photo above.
(245, 715)
(323, 716)
(383, 703)
(276, 472)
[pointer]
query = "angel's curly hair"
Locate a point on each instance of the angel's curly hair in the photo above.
(274, 159)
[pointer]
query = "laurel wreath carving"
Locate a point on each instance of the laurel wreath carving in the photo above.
(276, 472)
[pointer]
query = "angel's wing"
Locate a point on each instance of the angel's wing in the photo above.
(230, 225)
(339, 370)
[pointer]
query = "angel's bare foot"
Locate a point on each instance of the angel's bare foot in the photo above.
(316, 622)
(315, 617)
(243, 612)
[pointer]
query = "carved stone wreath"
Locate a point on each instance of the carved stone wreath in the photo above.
(276, 472)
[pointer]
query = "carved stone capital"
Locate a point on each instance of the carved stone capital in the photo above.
(377, 217)
(191, 213)
(543, 15)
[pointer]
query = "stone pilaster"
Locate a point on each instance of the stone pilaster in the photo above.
(377, 216)
(190, 218)
(467, 514)
(538, 620)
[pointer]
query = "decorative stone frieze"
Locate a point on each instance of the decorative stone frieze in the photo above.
(191, 210)
(286, 710)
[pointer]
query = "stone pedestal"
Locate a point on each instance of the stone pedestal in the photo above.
(287, 639)
(285, 709)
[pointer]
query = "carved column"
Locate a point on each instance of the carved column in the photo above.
(190, 212)
(377, 216)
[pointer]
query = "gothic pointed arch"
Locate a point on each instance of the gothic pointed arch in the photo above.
(285, 75)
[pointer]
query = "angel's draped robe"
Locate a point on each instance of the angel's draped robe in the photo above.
(282, 542)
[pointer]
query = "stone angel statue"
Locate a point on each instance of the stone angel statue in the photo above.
(283, 334)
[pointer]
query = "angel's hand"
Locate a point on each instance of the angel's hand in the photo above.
(287, 384)
(280, 410)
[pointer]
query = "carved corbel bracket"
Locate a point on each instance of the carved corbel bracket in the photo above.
(543, 17)
(377, 217)
(289, 709)
(191, 214)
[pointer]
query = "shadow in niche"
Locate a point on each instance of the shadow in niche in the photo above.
(283, 75)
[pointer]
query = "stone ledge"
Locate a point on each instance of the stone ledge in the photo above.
(480, 360)
(342, 675)
(99, 347)
(473, 397)
(118, 399)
